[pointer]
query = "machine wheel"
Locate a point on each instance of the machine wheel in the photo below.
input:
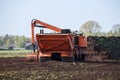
(81, 57)
(75, 55)
(56, 56)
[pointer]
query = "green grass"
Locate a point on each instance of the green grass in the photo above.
(14, 53)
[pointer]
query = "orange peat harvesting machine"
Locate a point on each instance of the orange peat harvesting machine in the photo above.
(62, 45)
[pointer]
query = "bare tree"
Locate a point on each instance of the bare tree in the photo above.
(90, 28)
(116, 30)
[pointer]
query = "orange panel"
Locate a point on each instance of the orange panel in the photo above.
(54, 42)
(66, 54)
(82, 41)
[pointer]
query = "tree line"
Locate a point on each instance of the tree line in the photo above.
(17, 41)
(92, 28)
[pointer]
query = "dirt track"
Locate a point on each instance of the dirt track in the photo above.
(19, 69)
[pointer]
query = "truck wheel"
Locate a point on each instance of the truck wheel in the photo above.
(82, 57)
(75, 55)
(79, 57)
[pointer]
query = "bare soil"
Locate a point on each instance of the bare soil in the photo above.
(17, 68)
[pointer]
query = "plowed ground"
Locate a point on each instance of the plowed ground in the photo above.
(17, 68)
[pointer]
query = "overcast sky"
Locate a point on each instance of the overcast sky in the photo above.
(16, 15)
